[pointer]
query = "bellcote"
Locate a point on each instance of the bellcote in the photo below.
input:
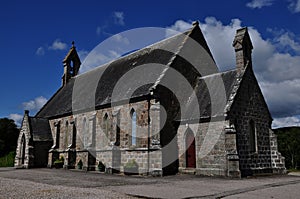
(243, 49)
(71, 65)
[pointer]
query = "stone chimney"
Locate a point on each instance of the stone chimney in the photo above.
(243, 49)
(71, 65)
(26, 112)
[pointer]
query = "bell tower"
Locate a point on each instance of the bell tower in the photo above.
(71, 65)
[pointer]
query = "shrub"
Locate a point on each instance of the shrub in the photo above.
(131, 167)
(59, 163)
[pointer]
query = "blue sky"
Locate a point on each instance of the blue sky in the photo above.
(36, 35)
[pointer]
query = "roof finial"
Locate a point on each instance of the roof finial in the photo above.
(73, 44)
(196, 23)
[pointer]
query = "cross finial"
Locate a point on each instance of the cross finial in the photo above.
(73, 43)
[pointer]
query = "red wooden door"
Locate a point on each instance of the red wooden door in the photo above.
(190, 151)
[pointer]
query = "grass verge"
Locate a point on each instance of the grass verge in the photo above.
(8, 160)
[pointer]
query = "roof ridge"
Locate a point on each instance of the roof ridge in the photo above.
(218, 73)
(63, 96)
(189, 31)
(136, 52)
(235, 87)
(158, 42)
(36, 115)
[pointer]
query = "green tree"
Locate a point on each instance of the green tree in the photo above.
(8, 136)
(288, 139)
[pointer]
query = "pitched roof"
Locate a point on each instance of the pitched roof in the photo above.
(40, 129)
(211, 96)
(96, 91)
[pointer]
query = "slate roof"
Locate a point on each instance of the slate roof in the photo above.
(211, 97)
(40, 129)
(88, 90)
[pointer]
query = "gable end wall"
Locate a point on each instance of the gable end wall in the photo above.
(249, 105)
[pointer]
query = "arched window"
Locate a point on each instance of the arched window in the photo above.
(117, 143)
(252, 137)
(66, 134)
(92, 131)
(85, 132)
(23, 147)
(105, 124)
(74, 134)
(133, 127)
(57, 139)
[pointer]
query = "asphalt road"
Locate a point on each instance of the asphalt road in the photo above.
(59, 183)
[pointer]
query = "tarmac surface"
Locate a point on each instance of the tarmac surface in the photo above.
(60, 183)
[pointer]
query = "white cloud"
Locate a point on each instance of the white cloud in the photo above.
(286, 122)
(34, 104)
(17, 118)
(119, 18)
(99, 30)
(212, 29)
(58, 45)
(275, 71)
(281, 67)
(97, 57)
(40, 51)
(282, 97)
(179, 26)
(116, 18)
(113, 54)
(120, 38)
(82, 54)
(259, 3)
(294, 6)
(276, 61)
(287, 41)
(110, 49)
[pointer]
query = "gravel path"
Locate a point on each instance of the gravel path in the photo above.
(59, 183)
(14, 188)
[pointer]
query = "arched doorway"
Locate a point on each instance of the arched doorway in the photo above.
(190, 149)
(22, 147)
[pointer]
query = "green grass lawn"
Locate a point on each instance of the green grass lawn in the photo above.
(8, 160)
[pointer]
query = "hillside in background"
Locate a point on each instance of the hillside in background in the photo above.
(289, 145)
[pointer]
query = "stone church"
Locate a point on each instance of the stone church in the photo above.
(212, 129)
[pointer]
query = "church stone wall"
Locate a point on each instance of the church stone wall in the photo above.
(211, 156)
(278, 161)
(24, 152)
(41, 149)
(142, 157)
(249, 106)
(96, 136)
